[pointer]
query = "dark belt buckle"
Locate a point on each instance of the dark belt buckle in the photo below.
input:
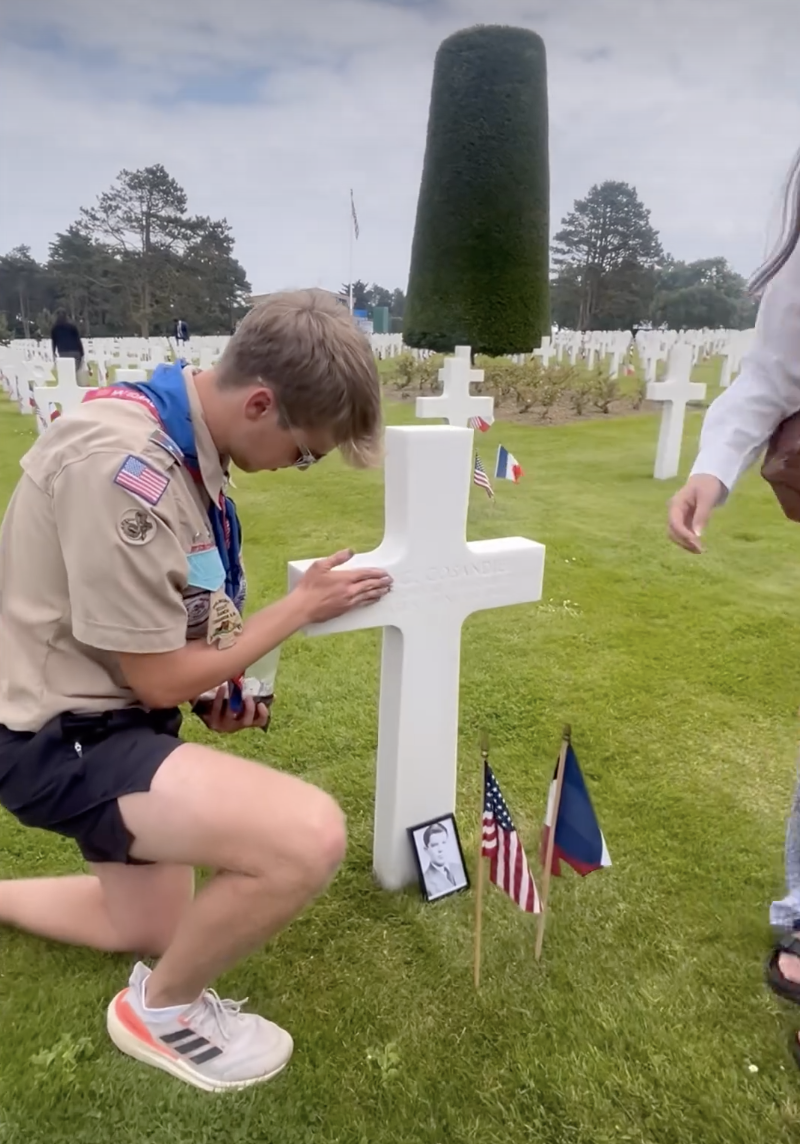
(80, 727)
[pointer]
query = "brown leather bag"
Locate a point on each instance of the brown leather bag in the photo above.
(781, 467)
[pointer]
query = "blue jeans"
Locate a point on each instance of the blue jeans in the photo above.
(785, 914)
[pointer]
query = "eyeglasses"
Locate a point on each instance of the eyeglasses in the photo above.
(306, 458)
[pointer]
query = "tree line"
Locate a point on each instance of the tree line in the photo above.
(130, 264)
(610, 272)
(137, 260)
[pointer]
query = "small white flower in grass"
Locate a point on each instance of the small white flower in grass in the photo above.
(752, 1068)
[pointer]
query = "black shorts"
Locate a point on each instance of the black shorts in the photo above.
(67, 777)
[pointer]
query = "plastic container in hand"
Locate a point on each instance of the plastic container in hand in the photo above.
(259, 680)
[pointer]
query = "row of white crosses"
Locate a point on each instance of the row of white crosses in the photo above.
(440, 578)
(27, 370)
(133, 359)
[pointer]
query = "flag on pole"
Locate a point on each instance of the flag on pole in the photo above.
(355, 216)
(508, 467)
(479, 477)
(579, 840)
(500, 842)
(479, 424)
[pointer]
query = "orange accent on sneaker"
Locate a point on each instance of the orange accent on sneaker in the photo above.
(135, 1025)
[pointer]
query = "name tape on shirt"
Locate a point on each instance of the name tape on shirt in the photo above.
(139, 478)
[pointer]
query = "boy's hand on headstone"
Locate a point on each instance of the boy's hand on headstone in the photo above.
(328, 593)
(690, 509)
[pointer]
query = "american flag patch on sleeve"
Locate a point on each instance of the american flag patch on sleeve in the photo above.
(140, 479)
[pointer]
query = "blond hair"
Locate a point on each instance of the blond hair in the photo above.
(305, 346)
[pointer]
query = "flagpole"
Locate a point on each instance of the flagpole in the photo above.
(481, 878)
(551, 839)
(352, 229)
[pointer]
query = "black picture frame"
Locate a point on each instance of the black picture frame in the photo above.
(434, 877)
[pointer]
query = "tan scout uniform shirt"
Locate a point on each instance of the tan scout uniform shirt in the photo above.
(87, 568)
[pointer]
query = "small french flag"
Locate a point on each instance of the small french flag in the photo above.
(578, 840)
(508, 467)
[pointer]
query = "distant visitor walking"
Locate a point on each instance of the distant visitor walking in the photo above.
(66, 341)
(180, 333)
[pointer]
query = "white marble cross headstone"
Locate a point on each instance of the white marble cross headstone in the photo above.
(20, 386)
(130, 375)
(66, 393)
(545, 352)
(727, 370)
(675, 391)
(439, 579)
(455, 403)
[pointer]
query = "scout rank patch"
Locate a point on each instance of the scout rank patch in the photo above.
(140, 479)
(136, 526)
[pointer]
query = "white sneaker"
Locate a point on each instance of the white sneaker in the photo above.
(211, 1044)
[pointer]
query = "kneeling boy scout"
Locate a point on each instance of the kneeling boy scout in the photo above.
(121, 592)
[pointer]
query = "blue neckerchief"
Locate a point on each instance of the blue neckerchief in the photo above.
(167, 391)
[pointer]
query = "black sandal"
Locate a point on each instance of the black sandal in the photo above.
(794, 1048)
(778, 983)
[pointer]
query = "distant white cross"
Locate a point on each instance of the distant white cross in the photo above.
(455, 403)
(545, 352)
(439, 579)
(675, 391)
(136, 375)
(66, 393)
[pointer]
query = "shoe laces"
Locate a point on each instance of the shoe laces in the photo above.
(224, 1014)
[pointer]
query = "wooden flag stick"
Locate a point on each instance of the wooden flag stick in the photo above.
(551, 840)
(481, 877)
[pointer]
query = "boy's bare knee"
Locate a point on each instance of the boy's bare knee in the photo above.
(328, 838)
(311, 852)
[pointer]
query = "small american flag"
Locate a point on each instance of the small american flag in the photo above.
(355, 216)
(479, 424)
(479, 477)
(137, 477)
(500, 842)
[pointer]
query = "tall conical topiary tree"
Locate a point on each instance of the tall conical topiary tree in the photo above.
(480, 258)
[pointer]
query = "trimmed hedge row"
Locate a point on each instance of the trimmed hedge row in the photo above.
(480, 255)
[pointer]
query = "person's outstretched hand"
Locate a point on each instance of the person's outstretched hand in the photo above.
(328, 593)
(690, 509)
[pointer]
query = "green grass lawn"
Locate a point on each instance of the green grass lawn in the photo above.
(647, 1021)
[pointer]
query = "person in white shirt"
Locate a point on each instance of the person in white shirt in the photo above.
(737, 428)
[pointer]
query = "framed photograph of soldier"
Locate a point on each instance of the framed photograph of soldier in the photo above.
(439, 858)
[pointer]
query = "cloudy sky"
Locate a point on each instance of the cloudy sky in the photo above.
(268, 111)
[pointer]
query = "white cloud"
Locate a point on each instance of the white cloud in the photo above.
(694, 103)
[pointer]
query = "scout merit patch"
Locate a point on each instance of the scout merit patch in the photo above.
(224, 621)
(136, 526)
(141, 480)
